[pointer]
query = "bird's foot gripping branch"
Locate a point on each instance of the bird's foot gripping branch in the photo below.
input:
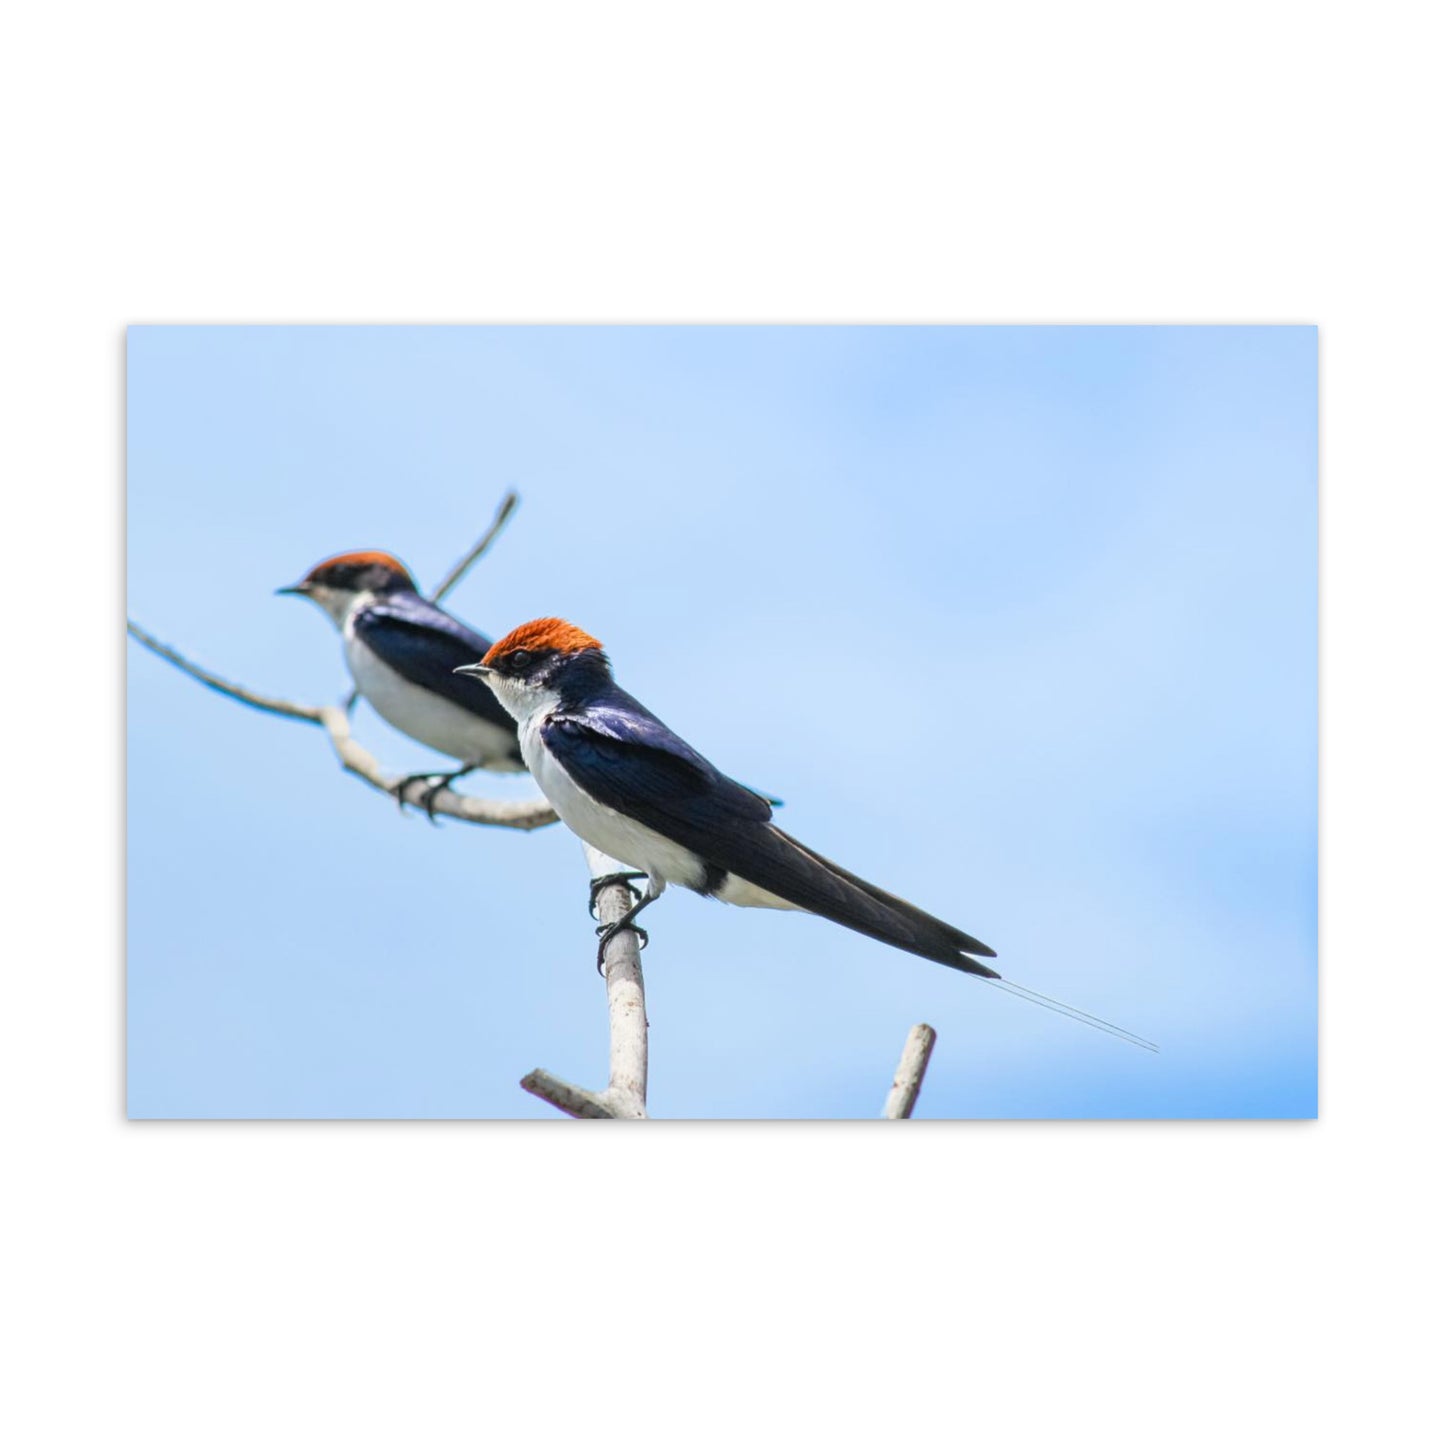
(625, 1096)
(613, 902)
(523, 813)
(606, 932)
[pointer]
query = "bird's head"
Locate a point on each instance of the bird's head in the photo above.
(336, 584)
(532, 665)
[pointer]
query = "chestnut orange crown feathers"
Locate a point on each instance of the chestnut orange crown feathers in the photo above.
(356, 562)
(546, 634)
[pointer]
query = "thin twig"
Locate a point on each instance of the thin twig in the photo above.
(504, 512)
(524, 813)
(911, 1068)
(625, 1096)
(278, 705)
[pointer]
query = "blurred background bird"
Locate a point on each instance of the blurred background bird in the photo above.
(403, 652)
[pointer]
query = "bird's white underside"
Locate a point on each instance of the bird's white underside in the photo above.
(420, 714)
(604, 828)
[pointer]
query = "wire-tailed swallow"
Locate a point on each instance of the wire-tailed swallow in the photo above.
(628, 785)
(403, 653)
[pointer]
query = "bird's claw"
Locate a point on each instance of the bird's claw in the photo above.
(428, 801)
(606, 932)
(440, 782)
(606, 880)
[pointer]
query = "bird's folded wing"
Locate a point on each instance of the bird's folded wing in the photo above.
(639, 767)
(426, 646)
(631, 762)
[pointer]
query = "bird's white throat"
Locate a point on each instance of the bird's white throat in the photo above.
(339, 604)
(526, 702)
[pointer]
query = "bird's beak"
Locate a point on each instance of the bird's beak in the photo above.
(478, 670)
(299, 590)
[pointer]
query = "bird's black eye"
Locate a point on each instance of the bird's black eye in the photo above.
(518, 659)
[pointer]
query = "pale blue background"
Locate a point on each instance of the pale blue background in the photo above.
(1021, 623)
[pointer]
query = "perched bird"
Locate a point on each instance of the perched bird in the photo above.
(403, 653)
(628, 785)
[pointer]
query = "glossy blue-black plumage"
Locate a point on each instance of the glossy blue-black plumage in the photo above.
(626, 757)
(628, 760)
(425, 645)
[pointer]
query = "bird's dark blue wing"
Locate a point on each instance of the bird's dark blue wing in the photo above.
(426, 646)
(629, 761)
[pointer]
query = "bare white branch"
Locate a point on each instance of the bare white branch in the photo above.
(523, 813)
(579, 1103)
(625, 1096)
(911, 1068)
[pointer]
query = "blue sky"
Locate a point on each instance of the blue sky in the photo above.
(1021, 623)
